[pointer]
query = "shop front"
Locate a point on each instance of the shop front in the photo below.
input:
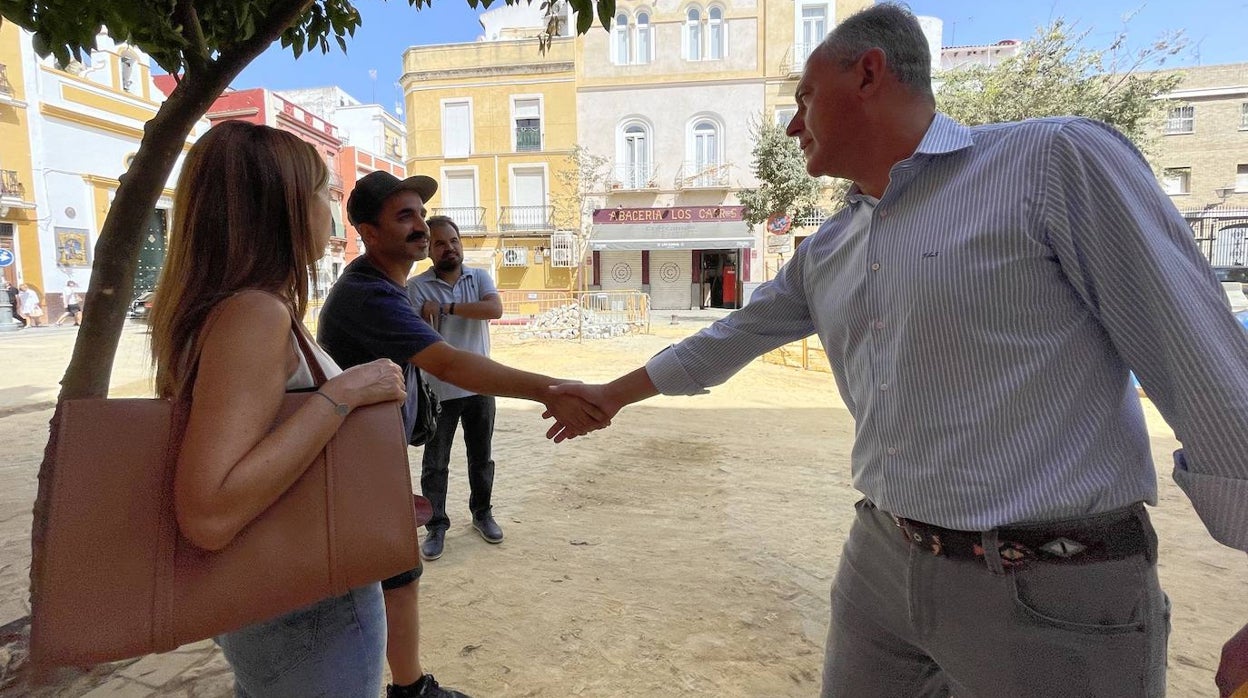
(683, 256)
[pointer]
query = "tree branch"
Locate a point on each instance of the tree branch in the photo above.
(196, 55)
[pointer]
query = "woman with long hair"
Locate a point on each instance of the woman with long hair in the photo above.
(251, 219)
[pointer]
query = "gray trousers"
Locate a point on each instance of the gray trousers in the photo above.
(908, 623)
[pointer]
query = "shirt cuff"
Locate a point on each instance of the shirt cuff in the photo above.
(1221, 502)
(670, 377)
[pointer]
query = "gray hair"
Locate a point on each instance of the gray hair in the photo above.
(892, 28)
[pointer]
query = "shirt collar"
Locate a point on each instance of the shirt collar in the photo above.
(943, 136)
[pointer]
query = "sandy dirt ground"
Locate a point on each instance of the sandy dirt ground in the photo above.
(688, 550)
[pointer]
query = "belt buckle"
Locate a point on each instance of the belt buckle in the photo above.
(930, 541)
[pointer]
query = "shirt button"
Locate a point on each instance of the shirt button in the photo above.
(875, 266)
(883, 386)
(891, 450)
(883, 214)
(879, 324)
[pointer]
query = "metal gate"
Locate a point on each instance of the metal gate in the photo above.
(671, 275)
(620, 270)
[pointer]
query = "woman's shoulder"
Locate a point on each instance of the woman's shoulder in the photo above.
(251, 314)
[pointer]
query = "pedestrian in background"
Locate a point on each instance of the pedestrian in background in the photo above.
(73, 304)
(459, 301)
(31, 305)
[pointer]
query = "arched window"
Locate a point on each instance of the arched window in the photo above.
(705, 145)
(644, 50)
(621, 43)
(693, 34)
(635, 170)
(715, 33)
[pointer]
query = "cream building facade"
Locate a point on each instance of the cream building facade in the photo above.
(79, 129)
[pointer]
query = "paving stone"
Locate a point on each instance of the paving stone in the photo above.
(156, 670)
(121, 688)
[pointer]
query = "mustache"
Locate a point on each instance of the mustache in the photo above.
(417, 235)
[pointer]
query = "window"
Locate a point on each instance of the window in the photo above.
(528, 117)
(631, 43)
(1181, 120)
(1241, 178)
(705, 146)
(693, 34)
(456, 129)
(644, 45)
(623, 47)
(1177, 180)
(706, 35)
(1243, 116)
(784, 115)
(633, 163)
(814, 26)
(715, 33)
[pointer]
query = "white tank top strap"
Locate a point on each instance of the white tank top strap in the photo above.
(302, 377)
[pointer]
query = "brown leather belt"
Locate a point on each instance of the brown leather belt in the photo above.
(1064, 542)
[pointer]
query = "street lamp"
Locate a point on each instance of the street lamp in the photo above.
(1224, 193)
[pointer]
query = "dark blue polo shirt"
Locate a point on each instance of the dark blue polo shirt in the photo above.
(367, 316)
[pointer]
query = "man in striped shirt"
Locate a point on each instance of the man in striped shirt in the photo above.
(982, 300)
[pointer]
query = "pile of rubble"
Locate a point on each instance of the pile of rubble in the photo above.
(571, 321)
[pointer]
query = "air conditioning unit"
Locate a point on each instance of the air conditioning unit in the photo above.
(516, 257)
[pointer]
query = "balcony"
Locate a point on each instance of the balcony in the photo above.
(703, 176)
(11, 190)
(528, 139)
(795, 60)
(811, 219)
(523, 219)
(470, 219)
(633, 177)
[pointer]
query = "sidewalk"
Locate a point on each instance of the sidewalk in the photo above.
(34, 361)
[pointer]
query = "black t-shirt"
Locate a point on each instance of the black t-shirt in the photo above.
(367, 316)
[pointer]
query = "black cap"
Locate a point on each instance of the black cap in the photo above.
(372, 190)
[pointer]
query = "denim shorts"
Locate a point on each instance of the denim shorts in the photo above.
(332, 648)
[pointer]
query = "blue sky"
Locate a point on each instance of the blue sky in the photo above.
(1214, 29)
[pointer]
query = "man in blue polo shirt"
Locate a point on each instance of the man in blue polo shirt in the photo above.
(460, 302)
(368, 316)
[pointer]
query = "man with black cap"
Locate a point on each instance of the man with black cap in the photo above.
(368, 316)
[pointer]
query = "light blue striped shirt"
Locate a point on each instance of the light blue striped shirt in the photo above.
(981, 318)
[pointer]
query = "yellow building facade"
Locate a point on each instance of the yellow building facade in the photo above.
(495, 123)
(18, 217)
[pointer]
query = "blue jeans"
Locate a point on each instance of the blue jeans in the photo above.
(331, 648)
(477, 414)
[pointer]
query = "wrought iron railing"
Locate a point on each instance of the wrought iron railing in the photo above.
(10, 186)
(795, 60)
(470, 219)
(812, 218)
(703, 175)
(528, 138)
(516, 219)
(634, 176)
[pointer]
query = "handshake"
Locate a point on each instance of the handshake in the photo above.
(579, 408)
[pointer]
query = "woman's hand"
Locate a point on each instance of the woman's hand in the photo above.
(366, 384)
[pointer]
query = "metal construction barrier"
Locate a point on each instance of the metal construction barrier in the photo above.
(807, 354)
(566, 315)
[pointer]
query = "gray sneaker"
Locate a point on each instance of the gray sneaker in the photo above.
(431, 549)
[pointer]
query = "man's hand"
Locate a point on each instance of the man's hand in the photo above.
(1233, 670)
(431, 311)
(594, 397)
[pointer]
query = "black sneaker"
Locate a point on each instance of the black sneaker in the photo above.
(431, 549)
(427, 687)
(488, 528)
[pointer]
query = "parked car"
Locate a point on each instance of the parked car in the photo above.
(141, 306)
